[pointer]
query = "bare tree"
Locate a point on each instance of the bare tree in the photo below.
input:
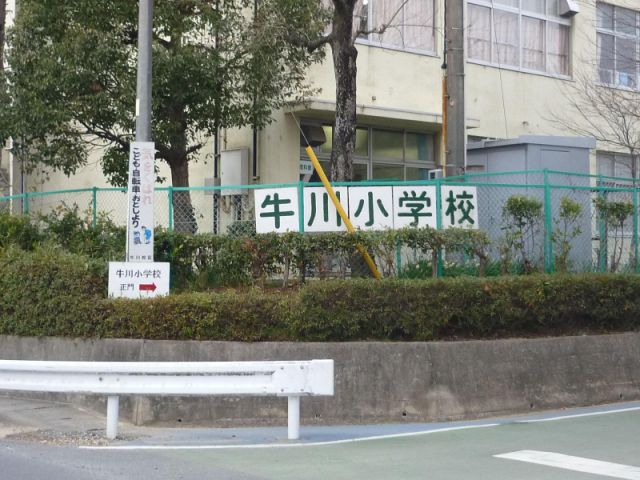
(603, 99)
(608, 113)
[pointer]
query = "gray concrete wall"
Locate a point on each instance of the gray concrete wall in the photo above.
(377, 381)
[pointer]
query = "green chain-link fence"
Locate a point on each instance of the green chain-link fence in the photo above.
(602, 236)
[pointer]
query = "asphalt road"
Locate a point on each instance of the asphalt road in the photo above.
(577, 444)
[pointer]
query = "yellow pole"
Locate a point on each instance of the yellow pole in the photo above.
(341, 212)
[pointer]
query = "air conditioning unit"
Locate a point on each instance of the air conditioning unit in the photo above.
(568, 8)
(435, 174)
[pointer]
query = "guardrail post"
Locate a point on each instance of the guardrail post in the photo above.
(293, 424)
(548, 225)
(113, 410)
(95, 206)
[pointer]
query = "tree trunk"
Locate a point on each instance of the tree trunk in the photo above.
(184, 219)
(3, 18)
(345, 70)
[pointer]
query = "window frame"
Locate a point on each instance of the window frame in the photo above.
(520, 12)
(370, 160)
(371, 42)
(617, 36)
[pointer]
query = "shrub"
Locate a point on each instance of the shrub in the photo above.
(18, 230)
(49, 292)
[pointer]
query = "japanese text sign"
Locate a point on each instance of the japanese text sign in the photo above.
(140, 202)
(138, 280)
(368, 208)
(459, 207)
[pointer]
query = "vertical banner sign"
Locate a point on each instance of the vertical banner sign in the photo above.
(140, 202)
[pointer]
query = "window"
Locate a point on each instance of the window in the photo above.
(618, 45)
(615, 165)
(385, 154)
(520, 34)
(411, 24)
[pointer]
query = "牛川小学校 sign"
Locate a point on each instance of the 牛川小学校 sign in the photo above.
(368, 208)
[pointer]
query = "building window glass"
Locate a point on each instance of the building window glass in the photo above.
(618, 45)
(385, 154)
(410, 24)
(615, 165)
(520, 34)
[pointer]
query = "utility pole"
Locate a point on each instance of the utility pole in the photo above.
(140, 221)
(143, 86)
(455, 140)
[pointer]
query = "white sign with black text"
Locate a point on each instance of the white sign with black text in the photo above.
(138, 279)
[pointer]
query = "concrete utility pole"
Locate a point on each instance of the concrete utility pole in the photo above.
(143, 100)
(456, 140)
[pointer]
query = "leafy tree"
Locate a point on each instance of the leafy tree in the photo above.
(216, 64)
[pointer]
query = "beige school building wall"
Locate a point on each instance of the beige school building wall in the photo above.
(396, 90)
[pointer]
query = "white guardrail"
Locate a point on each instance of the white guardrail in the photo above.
(283, 379)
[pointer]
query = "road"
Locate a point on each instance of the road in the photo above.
(577, 444)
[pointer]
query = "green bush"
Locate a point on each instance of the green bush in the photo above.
(19, 231)
(51, 292)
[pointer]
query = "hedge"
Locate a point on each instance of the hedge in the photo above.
(50, 292)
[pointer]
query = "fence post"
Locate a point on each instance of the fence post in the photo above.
(548, 225)
(602, 232)
(301, 206)
(635, 228)
(398, 258)
(439, 221)
(95, 206)
(170, 209)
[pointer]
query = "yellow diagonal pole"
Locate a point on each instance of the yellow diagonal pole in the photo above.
(341, 212)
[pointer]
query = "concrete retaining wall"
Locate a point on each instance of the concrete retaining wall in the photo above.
(376, 381)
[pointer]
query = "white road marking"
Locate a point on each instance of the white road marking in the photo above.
(285, 445)
(354, 440)
(577, 464)
(579, 415)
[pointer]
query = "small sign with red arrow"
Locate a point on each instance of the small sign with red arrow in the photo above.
(138, 280)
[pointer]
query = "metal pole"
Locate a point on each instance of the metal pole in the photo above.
(143, 100)
(113, 410)
(294, 417)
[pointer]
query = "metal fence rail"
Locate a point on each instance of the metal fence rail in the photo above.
(223, 210)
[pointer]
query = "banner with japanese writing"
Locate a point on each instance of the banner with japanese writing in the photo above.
(368, 208)
(459, 207)
(140, 202)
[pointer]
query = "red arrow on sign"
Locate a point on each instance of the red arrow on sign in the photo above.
(147, 287)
